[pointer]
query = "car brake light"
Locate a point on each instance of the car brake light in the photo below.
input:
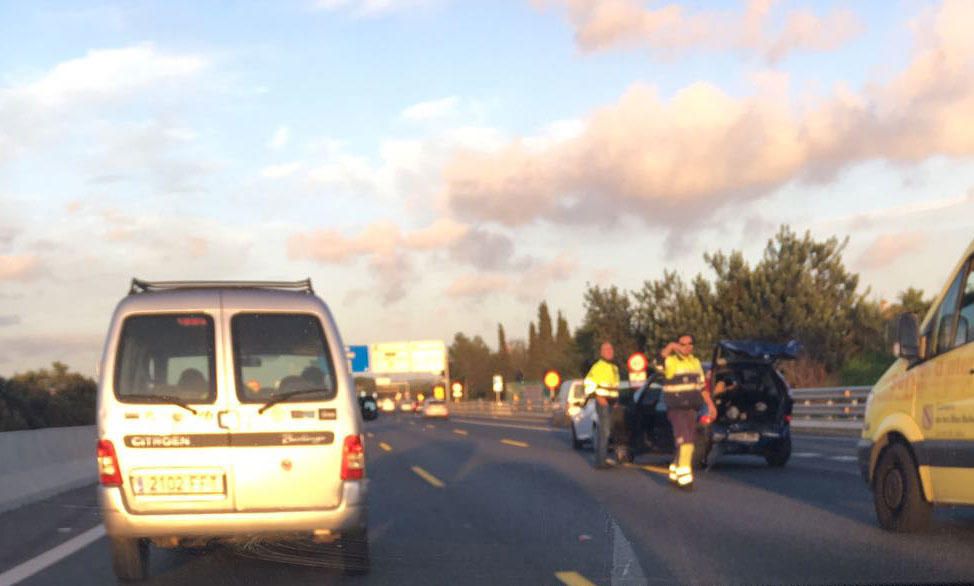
(787, 418)
(353, 458)
(108, 471)
(705, 420)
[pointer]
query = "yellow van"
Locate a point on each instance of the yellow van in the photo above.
(917, 446)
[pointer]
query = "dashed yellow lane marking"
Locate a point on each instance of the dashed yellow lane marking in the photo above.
(428, 426)
(428, 477)
(385, 446)
(460, 432)
(573, 579)
(370, 434)
(514, 443)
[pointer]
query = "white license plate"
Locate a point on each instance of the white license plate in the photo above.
(744, 436)
(193, 482)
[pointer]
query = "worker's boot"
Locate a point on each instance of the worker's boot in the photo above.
(684, 468)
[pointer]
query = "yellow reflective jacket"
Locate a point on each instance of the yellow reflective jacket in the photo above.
(676, 365)
(602, 374)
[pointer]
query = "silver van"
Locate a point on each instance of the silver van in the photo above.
(226, 412)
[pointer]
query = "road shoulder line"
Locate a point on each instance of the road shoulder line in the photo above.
(51, 556)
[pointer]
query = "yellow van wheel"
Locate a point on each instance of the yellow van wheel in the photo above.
(897, 494)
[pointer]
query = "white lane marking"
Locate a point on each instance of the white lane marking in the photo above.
(844, 458)
(526, 427)
(625, 565)
(51, 556)
(806, 455)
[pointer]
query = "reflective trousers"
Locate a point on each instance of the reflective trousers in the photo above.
(684, 423)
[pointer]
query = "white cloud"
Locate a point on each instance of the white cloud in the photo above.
(887, 248)
(675, 162)
(68, 100)
(670, 28)
(280, 138)
(108, 73)
(442, 233)
(18, 267)
(432, 109)
(281, 170)
(478, 285)
(148, 152)
(369, 8)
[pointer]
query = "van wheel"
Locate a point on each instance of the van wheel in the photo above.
(576, 444)
(130, 558)
(897, 494)
(779, 454)
(354, 546)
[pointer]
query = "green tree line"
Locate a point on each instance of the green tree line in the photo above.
(799, 289)
(52, 397)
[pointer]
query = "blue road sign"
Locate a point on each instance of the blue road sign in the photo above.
(358, 357)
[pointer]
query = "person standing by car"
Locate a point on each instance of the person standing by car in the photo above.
(684, 393)
(602, 381)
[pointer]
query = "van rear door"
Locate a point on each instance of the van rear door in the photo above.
(286, 452)
(163, 415)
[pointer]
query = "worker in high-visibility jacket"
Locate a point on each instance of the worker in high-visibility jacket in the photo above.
(685, 393)
(602, 381)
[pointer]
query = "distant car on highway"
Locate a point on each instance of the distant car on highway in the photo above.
(387, 405)
(753, 416)
(407, 407)
(917, 446)
(225, 413)
(568, 402)
(435, 409)
(370, 408)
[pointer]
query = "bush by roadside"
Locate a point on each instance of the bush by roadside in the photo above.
(52, 397)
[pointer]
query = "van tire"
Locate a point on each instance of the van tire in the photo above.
(576, 443)
(130, 558)
(779, 454)
(897, 494)
(354, 546)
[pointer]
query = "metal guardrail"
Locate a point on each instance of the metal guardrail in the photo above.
(816, 410)
(829, 409)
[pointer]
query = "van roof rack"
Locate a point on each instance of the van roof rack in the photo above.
(141, 286)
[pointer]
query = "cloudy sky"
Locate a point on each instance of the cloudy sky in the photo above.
(443, 165)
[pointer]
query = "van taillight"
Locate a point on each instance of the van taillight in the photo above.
(108, 471)
(353, 458)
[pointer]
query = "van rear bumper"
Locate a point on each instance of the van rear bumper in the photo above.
(350, 515)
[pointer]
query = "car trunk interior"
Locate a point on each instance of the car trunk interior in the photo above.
(754, 397)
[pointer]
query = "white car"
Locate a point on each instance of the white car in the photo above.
(585, 421)
(568, 402)
(434, 409)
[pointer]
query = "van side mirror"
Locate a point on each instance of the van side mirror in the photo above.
(907, 344)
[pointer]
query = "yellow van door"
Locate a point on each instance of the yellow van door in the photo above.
(945, 401)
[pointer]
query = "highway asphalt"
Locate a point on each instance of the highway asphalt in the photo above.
(476, 501)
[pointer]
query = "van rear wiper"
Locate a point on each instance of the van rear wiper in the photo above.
(169, 399)
(285, 396)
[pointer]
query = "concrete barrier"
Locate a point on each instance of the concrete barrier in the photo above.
(39, 463)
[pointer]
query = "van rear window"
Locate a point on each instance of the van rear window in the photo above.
(168, 355)
(275, 354)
